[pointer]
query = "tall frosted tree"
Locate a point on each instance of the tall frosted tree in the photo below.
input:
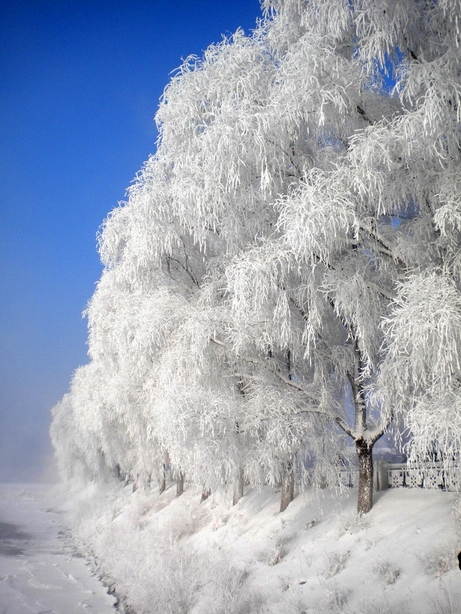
(286, 268)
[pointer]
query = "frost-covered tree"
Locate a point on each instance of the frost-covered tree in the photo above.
(380, 227)
(286, 268)
(256, 156)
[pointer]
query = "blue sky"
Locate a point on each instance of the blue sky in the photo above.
(81, 80)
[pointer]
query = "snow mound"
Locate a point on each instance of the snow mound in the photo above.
(177, 555)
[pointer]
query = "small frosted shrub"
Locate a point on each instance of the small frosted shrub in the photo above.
(276, 554)
(352, 523)
(389, 572)
(440, 561)
(226, 592)
(312, 523)
(335, 563)
(337, 598)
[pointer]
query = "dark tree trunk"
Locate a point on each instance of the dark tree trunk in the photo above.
(365, 492)
(179, 483)
(363, 443)
(288, 486)
(206, 492)
(238, 487)
(118, 472)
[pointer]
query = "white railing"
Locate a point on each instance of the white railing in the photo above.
(349, 478)
(427, 475)
(403, 475)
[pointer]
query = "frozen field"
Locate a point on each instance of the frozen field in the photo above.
(39, 571)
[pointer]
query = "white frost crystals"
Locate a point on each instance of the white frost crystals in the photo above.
(293, 243)
(421, 372)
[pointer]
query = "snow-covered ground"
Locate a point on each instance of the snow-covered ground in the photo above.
(39, 570)
(177, 555)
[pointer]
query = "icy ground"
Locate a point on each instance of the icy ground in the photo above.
(176, 555)
(39, 571)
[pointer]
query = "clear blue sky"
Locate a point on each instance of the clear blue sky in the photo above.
(80, 83)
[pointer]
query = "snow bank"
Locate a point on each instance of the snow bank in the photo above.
(175, 555)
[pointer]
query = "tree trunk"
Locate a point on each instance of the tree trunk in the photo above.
(365, 493)
(238, 487)
(206, 492)
(288, 486)
(179, 483)
(162, 481)
(166, 475)
(118, 472)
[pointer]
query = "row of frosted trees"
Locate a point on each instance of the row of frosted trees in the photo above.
(284, 277)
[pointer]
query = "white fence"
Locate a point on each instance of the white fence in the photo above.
(428, 475)
(403, 475)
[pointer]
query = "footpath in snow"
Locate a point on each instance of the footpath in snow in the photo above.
(39, 569)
